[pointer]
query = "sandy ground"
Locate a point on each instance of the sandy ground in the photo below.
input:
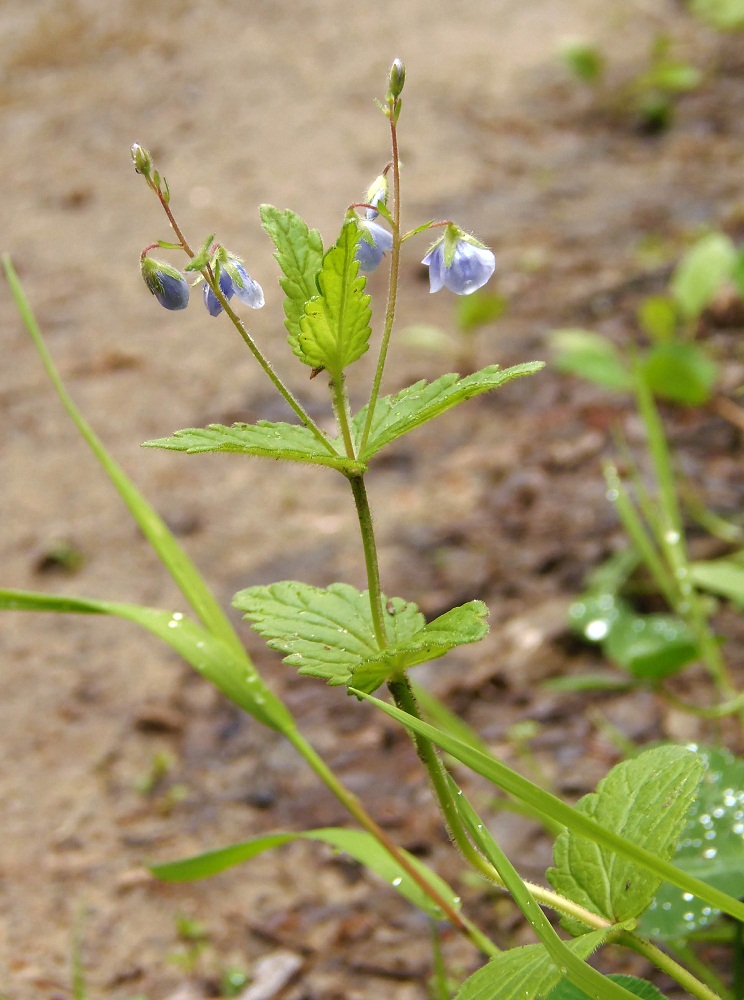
(243, 103)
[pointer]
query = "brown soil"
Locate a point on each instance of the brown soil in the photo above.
(503, 500)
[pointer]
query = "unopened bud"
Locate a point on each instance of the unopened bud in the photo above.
(167, 284)
(397, 79)
(142, 159)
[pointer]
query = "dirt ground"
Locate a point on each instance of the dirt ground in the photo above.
(269, 101)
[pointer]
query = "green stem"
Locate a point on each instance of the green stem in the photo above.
(237, 322)
(366, 528)
(392, 290)
(673, 969)
(342, 410)
(400, 689)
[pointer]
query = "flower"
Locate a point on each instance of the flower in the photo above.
(373, 244)
(167, 284)
(459, 262)
(234, 280)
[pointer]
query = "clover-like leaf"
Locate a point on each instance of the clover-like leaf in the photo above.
(334, 326)
(264, 439)
(330, 632)
(299, 253)
(646, 801)
(422, 401)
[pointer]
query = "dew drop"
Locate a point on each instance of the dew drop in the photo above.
(397, 881)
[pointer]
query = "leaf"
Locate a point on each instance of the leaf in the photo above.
(233, 674)
(638, 987)
(330, 633)
(650, 646)
(680, 372)
(557, 811)
(711, 848)
(265, 439)
(657, 317)
(720, 576)
(422, 401)
(479, 309)
(645, 800)
(299, 253)
(726, 15)
(334, 326)
(358, 844)
(456, 627)
(701, 272)
(527, 973)
(591, 357)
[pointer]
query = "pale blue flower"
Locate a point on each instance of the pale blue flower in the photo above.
(470, 268)
(167, 284)
(373, 244)
(234, 280)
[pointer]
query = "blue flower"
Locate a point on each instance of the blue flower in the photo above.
(373, 244)
(234, 280)
(459, 263)
(167, 284)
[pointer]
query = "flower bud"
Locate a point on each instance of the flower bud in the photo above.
(142, 159)
(397, 79)
(167, 284)
(377, 194)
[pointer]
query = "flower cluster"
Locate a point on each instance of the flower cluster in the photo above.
(171, 289)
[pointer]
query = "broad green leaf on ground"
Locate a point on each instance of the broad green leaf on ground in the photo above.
(264, 439)
(592, 357)
(726, 15)
(701, 272)
(329, 633)
(418, 403)
(334, 326)
(527, 973)
(638, 987)
(219, 663)
(646, 801)
(720, 576)
(711, 848)
(542, 802)
(680, 372)
(299, 253)
(358, 844)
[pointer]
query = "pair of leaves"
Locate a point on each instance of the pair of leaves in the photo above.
(326, 308)
(330, 632)
(394, 416)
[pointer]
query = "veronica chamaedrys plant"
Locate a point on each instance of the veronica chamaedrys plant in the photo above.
(364, 640)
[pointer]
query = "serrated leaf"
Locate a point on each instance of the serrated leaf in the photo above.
(358, 844)
(590, 356)
(334, 326)
(711, 848)
(646, 801)
(701, 272)
(214, 659)
(264, 439)
(457, 627)
(638, 987)
(422, 401)
(329, 633)
(299, 253)
(527, 973)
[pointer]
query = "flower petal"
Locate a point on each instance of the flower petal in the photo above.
(434, 260)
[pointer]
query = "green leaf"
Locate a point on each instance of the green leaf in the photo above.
(527, 973)
(657, 317)
(265, 439)
(358, 844)
(680, 372)
(726, 15)
(232, 673)
(330, 633)
(479, 309)
(422, 401)
(701, 272)
(592, 357)
(299, 253)
(711, 848)
(646, 801)
(650, 646)
(334, 326)
(638, 987)
(720, 576)
(556, 810)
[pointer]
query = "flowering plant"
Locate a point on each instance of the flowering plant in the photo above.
(609, 859)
